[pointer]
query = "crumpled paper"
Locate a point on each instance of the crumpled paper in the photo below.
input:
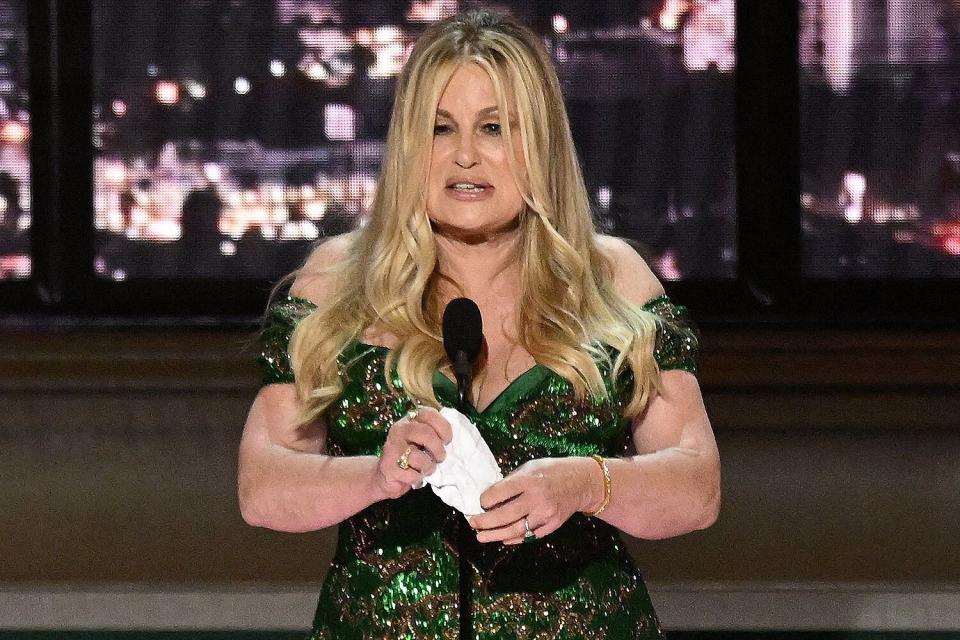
(468, 469)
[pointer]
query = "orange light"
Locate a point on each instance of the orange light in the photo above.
(14, 132)
(167, 92)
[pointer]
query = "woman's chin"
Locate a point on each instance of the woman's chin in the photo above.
(474, 230)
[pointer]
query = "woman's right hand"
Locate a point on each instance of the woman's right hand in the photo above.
(424, 434)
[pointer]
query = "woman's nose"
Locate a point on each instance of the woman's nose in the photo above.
(466, 155)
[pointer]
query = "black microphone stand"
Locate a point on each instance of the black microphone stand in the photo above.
(464, 373)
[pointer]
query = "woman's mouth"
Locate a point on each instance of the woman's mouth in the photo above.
(463, 190)
(468, 187)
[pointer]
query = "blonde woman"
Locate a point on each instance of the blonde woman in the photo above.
(585, 392)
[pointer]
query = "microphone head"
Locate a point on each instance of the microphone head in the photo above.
(462, 329)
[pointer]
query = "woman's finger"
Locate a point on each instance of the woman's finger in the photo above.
(502, 491)
(439, 424)
(503, 514)
(539, 530)
(425, 437)
(419, 461)
(501, 533)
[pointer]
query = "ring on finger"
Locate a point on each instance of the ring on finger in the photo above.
(412, 413)
(404, 460)
(528, 535)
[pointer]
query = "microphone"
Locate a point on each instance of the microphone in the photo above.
(462, 339)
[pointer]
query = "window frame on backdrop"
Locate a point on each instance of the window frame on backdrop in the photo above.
(769, 286)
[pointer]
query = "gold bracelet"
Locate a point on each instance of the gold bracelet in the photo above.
(607, 487)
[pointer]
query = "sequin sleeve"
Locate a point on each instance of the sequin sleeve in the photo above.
(678, 338)
(279, 322)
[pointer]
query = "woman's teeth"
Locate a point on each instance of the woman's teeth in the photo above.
(466, 186)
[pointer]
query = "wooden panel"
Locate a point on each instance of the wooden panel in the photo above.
(761, 358)
(118, 458)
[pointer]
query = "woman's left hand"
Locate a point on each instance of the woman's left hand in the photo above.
(546, 491)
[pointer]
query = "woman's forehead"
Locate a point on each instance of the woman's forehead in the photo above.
(471, 89)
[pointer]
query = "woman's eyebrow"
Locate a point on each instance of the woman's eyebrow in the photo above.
(480, 114)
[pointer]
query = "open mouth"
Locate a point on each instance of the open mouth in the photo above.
(468, 187)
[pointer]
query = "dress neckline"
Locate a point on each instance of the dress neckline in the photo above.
(447, 388)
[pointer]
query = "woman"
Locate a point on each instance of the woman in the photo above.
(584, 357)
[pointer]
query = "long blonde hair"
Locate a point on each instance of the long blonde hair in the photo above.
(389, 276)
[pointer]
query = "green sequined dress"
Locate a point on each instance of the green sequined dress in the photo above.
(395, 573)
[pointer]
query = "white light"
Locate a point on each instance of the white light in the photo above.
(387, 33)
(671, 13)
(277, 68)
(669, 22)
(196, 89)
(339, 122)
(228, 248)
(560, 24)
(315, 209)
(241, 85)
(851, 195)
(604, 195)
(314, 70)
(212, 172)
(119, 108)
(115, 172)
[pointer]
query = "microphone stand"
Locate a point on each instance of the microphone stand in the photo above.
(464, 373)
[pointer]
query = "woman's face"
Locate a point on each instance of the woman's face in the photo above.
(470, 189)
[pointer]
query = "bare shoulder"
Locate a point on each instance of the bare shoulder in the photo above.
(632, 276)
(313, 279)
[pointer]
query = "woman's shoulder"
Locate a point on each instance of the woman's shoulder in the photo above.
(313, 279)
(632, 276)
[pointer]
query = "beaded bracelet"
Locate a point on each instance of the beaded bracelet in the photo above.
(607, 486)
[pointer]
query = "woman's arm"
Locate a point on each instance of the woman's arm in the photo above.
(672, 485)
(285, 482)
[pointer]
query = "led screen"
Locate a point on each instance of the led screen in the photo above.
(15, 262)
(880, 138)
(231, 136)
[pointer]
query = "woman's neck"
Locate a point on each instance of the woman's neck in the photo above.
(480, 265)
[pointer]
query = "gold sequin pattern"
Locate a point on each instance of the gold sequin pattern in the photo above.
(678, 337)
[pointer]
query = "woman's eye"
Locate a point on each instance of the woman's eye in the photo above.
(492, 128)
(440, 129)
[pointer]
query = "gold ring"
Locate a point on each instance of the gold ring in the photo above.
(403, 461)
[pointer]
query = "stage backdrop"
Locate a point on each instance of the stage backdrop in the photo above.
(231, 136)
